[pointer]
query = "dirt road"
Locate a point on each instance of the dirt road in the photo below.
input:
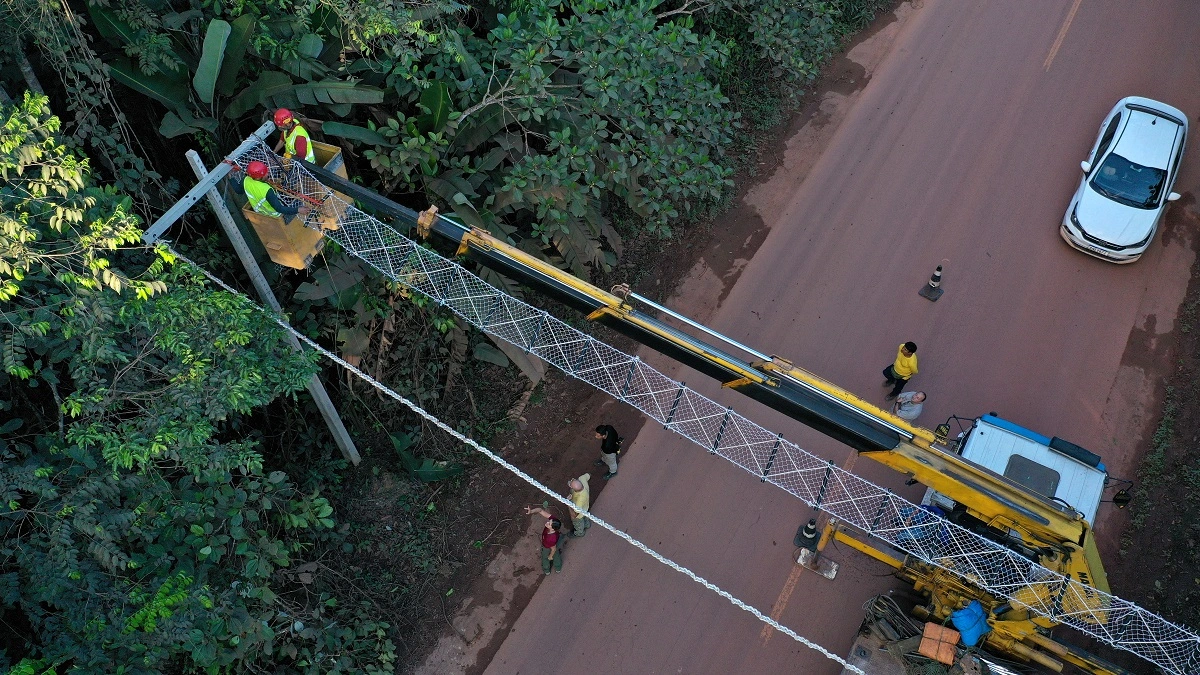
(963, 145)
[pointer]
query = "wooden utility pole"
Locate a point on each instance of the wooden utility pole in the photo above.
(324, 404)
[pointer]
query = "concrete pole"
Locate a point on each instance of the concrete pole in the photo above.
(340, 435)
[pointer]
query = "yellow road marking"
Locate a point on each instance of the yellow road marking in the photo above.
(849, 465)
(1062, 34)
(793, 578)
(781, 602)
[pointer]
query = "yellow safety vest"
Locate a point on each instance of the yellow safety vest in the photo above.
(256, 193)
(289, 139)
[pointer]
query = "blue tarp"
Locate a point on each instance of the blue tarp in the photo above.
(971, 622)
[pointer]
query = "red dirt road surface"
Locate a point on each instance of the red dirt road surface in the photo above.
(964, 145)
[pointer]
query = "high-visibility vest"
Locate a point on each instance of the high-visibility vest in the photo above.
(289, 139)
(256, 193)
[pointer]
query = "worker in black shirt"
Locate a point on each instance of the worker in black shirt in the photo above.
(610, 446)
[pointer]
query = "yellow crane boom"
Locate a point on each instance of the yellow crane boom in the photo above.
(1044, 530)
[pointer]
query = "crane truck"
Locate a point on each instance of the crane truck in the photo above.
(1033, 495)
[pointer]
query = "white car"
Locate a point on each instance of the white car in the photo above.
(1127, 180)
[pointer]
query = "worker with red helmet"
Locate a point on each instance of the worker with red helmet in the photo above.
(293, 137)
(262, 196)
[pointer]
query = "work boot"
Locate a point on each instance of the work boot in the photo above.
(609, 474)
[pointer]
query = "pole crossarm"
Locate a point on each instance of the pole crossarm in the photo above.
(166, 220)
(718, 429)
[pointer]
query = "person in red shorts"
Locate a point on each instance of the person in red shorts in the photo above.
(551, 549)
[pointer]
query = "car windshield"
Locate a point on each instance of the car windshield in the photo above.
(1129, 183)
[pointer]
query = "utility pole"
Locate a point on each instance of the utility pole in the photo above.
(315, 387)
(208, 181)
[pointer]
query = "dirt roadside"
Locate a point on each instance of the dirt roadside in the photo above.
(555, 439)
(1156, 560)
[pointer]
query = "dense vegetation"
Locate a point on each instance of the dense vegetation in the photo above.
(166, 502)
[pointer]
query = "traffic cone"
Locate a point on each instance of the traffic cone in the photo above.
(806, 536)
(933, 290)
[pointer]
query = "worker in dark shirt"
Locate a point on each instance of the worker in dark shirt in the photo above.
(610, 445)
(262, 197)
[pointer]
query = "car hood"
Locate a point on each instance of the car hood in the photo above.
(1112, 222)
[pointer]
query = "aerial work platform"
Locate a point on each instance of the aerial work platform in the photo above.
(294, 242)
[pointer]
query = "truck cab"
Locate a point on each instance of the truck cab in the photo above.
(1051, 467)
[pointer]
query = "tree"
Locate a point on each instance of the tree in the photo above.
(793, 36)
(562, 106)
(138, 530)
(56, 32)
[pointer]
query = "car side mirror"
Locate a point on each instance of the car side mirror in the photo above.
(1086, 166)
(1173, 196)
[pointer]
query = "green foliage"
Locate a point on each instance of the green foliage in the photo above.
(854, 15)
(159, 333)
(581, 102)
(240, 32)
(794, 36)
(99, 124)
(436, 102)
(52, 221)
(167, 88)
(32, 667)
(274, 89)
(425, 469)
(215, 39)
(349, 131)
(139, 531)
(205, 77)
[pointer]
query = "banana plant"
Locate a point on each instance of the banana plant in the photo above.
(198, 89)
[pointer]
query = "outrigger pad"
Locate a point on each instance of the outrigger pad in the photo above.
(813, 561)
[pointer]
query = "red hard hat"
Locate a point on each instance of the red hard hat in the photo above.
(257, 170)
(283, 116)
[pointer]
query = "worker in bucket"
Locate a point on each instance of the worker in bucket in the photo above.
(293, 137)
(262, 196)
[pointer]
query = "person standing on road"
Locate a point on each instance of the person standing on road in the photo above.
(551, 551)
(904, 367)
(610, 445)
(908, 406)
(581, 497)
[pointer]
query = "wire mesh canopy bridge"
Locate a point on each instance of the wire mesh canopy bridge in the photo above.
(718, 429)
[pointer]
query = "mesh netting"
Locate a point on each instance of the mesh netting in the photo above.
(718, 429)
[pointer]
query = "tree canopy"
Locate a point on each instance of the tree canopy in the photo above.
(139, 530)
(533, 119)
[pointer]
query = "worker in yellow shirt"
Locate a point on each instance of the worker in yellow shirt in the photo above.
(581, 497)
(904, 367)
(262, 195)
(293, 137)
